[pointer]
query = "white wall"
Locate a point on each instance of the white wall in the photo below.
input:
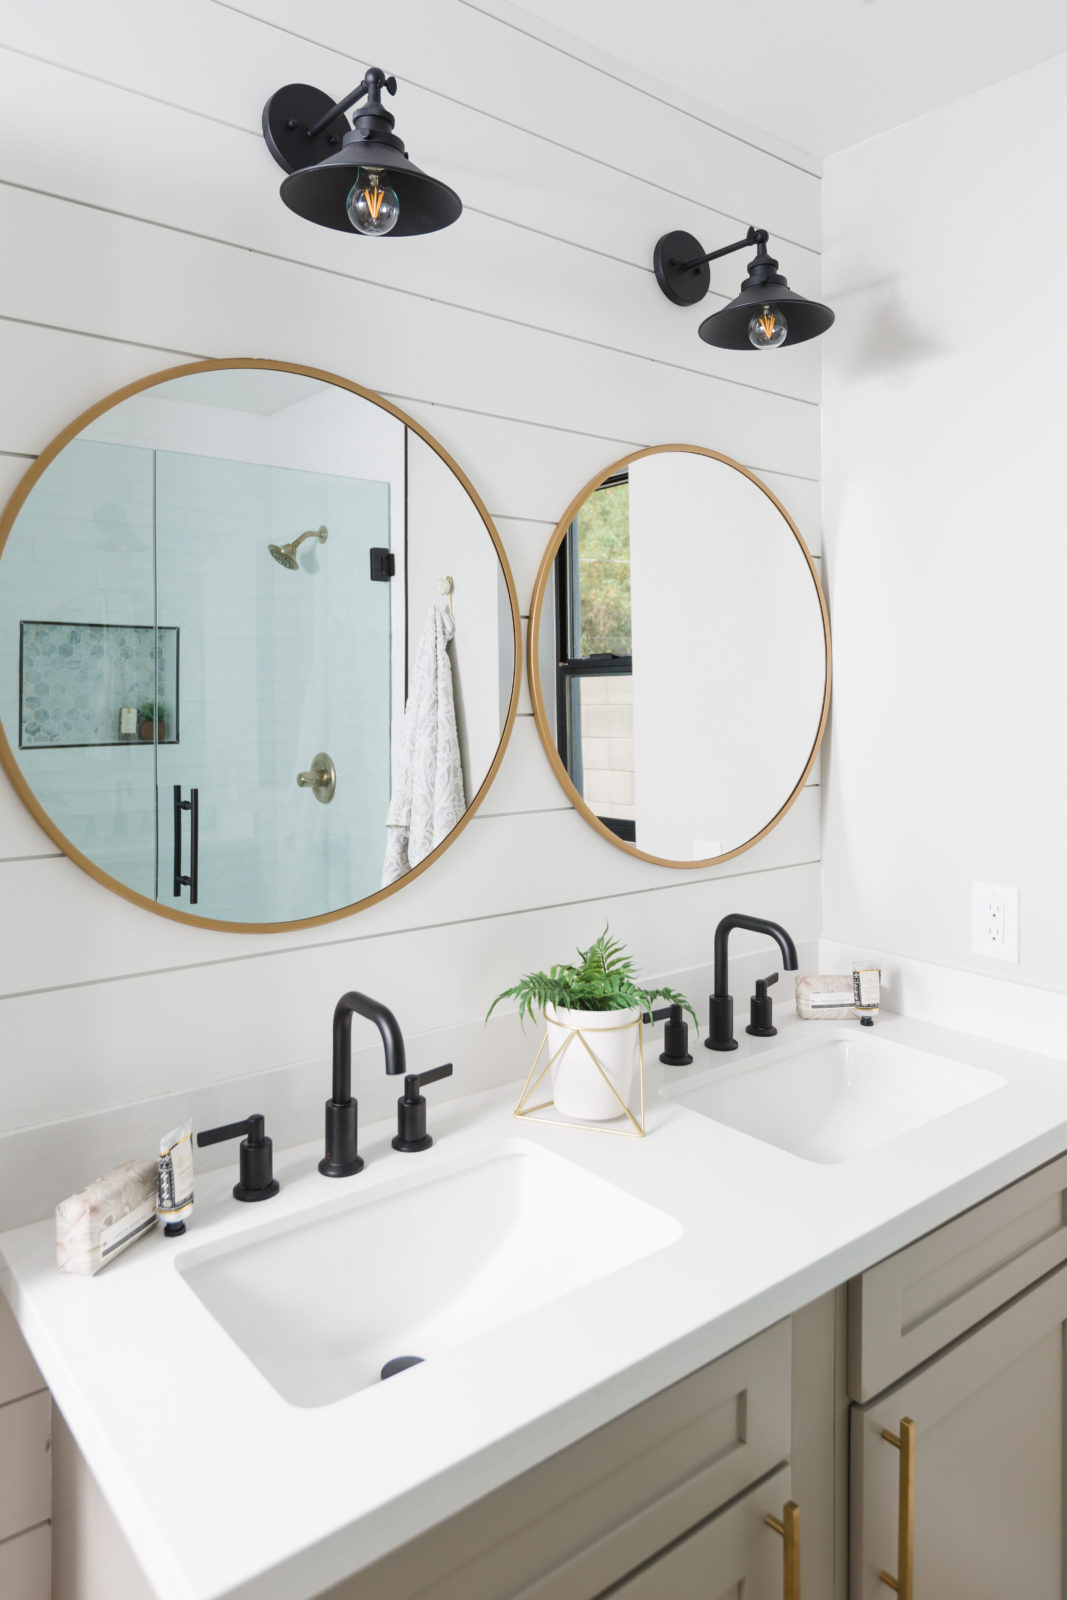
(945, 408)
(530, 339)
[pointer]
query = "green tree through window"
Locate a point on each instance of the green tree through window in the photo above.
(603, 526)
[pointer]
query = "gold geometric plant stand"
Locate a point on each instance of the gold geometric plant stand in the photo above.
(636, 1130)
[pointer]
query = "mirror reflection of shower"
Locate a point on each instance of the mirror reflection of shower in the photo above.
(285, 554)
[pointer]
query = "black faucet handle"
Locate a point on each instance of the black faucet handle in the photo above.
(761, 1009)
(411, 1109)
(417, 1080)
(257, 1181)
(675, 1051)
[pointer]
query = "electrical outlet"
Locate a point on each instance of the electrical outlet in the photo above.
(995, 921)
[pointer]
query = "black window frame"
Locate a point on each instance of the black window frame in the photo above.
(570, 669)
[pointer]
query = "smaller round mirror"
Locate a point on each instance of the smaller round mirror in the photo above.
(679, 656)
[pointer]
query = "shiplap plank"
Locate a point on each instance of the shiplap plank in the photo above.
(142, 285)
(602, 56)
(498, 865)
(459, 70)
(802, 498)
(147, 1036)
(526, 781)
(525, 541)
(20, 836)
(522, 470)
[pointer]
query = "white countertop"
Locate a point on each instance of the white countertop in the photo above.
(224, 1489)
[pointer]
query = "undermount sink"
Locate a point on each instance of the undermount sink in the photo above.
(831, 1098)
(320, 1304)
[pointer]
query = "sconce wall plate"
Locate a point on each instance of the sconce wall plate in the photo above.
(683, 285)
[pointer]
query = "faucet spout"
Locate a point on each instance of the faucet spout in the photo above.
(363, 1006)
(720, 1004)
(737, 919)
(342, 1158)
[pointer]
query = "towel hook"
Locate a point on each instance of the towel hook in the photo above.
(447, 586)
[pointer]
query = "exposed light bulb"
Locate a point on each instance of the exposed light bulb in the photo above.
(767, 328)
(372, 206)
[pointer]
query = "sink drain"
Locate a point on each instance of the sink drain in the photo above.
(399, 1364)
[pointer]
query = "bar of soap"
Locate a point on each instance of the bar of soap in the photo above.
(831, 997)
(96, 1224)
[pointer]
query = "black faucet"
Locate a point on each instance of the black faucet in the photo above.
(720, 1004)
(342, 1158)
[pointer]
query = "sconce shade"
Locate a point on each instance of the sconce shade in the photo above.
(323, 170)
(728, 328)
(319, 193)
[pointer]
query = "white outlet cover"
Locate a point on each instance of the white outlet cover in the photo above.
(995, 921)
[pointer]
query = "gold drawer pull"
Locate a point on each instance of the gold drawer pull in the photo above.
(905, 1443)
(789, 1528)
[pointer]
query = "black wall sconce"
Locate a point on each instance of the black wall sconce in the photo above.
(356, 178)
(767, 313)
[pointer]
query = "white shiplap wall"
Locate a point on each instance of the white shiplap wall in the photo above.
(142, 225)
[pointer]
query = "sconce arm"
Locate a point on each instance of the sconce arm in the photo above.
(374, 81)
(758, 236)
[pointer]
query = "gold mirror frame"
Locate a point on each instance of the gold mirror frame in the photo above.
(544, 728)
(7, 758)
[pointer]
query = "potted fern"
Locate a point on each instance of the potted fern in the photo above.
(591, 1014)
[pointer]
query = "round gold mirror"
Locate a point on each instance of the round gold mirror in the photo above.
(233, 590)
(679, 656)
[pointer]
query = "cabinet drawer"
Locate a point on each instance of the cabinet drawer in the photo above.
(25, 1463)
(26, 1565)
(734, 1556)
(578, 1522)
(18, 1372)
(908, 1307)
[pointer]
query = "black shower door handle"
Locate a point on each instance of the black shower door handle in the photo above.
(192, 805)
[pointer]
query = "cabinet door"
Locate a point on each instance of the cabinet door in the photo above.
(987, 1491)
(732, 1556)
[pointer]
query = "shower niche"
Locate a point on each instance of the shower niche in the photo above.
(243, 508)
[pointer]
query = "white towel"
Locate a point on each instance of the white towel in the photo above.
(427, 800)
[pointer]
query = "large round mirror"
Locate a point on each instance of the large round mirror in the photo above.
(259, 648)
(679, 656)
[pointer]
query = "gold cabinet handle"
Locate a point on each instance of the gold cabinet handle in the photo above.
(905, 1443)
(789, 1528)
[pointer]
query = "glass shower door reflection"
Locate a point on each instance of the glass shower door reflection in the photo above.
(279, 662)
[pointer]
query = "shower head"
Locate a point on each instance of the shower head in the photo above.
(285, 554)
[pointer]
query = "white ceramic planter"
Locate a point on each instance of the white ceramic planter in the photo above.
(578, 1089)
